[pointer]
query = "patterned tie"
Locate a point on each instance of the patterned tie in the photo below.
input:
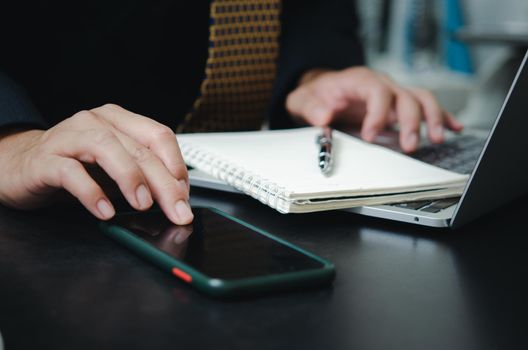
(240, 69)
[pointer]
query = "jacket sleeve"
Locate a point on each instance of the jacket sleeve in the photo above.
(314, 34)
(16, 107)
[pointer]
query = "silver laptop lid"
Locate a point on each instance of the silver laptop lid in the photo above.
(501, 173)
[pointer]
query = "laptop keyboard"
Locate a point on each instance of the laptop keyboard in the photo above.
(459, 154)
(428, 205)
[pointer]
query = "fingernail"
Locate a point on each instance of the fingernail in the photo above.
(105, 208)
(183, 213)
(411, 141)
(143, 197)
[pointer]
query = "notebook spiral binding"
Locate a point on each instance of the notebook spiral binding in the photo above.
(256, 186)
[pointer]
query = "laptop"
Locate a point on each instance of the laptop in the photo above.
(498, 171)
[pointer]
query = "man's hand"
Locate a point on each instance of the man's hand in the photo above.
(361, 96)
(141, 155)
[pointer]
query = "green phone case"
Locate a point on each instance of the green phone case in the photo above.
(220, 287)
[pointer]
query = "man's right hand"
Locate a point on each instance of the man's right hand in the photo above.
(141, 155)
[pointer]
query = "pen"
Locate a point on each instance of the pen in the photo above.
(324, 140)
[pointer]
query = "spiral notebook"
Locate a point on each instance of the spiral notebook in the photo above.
(280, 168)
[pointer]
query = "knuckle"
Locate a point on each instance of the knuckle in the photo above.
(141, 154)
(380, 87)
(414, 106)
(84, 116)
(426, 94)
(404, 93)
(412, 114)
(368, 76)
(426, 97)
(110, 106)
(47, 143)
(360, 71)
(68, 167)
(169, 186)
(177, 168)
(46, 139)
(43, 149)
(130, 176)
(173, 189)
(101, 136)
(162, 132)
(89, 193)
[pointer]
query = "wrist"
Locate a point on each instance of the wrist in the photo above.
(12, 139)
(13, 130)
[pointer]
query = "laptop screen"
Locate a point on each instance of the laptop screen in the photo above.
(500, 173)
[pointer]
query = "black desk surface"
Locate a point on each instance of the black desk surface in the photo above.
(64, 285)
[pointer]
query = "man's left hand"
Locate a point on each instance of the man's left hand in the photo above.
(361, 96)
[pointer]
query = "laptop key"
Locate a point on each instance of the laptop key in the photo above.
(445, 203)
(431, 209)
(440, 204)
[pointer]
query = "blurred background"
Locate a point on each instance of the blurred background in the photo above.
(465, 51)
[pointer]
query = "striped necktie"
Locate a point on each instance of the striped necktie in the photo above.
(240, 68)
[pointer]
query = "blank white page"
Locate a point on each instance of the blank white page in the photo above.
(289, 159)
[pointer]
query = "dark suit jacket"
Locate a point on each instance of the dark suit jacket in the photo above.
(60, 57)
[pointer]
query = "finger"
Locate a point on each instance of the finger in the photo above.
(317, 112)
(379, 101)
(103, 147)
(296, 100)
(306, 105)
(171, 194)
(409, 117)
(452, 123)
(156, 136)
(317, 105)
(434, 116)
(70, 174)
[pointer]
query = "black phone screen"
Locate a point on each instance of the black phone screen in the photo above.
(216, 245)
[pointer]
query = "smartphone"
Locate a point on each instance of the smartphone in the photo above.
(219, 254)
